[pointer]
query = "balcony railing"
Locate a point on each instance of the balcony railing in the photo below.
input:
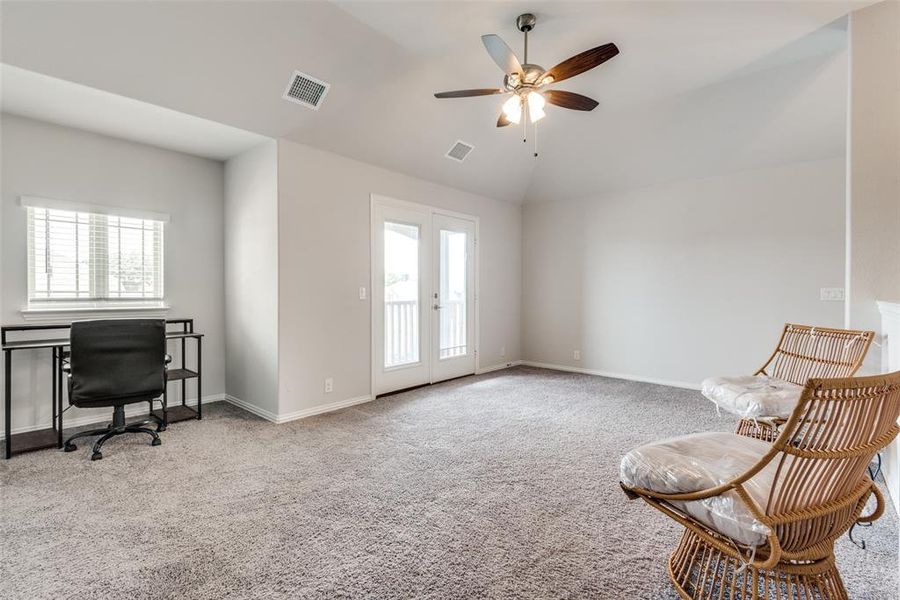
(453, 328)
(401, 331)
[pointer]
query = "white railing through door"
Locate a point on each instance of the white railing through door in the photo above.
(453, 328)
(401, 332)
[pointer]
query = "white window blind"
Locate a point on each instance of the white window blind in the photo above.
(83, 256)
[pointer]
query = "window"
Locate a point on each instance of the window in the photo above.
(401, 294)
(85, 255)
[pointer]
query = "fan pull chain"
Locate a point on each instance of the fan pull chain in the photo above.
(524, 121)
(535, 139)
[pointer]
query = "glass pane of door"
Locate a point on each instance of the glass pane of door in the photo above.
(452, 294)
(401, 294)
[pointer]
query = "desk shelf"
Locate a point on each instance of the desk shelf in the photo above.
(180, 374)
(179, 412)
(33, 440)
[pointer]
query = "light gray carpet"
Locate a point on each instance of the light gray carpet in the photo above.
(497, 486)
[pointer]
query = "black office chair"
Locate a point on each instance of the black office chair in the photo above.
(114, 363)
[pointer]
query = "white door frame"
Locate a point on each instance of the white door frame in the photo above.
(380, 200)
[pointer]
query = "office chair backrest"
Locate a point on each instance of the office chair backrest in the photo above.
(117, 359)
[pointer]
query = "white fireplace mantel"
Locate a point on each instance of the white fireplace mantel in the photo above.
(890, 362)
(889, 308)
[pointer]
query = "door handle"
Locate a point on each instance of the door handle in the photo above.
(437, 307)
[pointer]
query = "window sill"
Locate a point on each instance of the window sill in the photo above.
(59, 314)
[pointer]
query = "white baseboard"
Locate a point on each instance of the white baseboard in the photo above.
(653, 380)
(299, 414)
(132, 410)
(324, 408)
(497, 367)
(251, 408)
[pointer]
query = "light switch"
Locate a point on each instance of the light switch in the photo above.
(831, 294)
(362, 293)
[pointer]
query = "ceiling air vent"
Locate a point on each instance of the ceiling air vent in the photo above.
(459, 151)
(306, 90)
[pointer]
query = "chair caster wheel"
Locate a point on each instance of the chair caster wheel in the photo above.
(156, 442)
(160, 429)
(70, 448)
(96, 455)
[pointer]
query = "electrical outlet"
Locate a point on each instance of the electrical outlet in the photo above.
(502, 350)
(831, 294)
(329, 385)
(362, 293)
(576, 354)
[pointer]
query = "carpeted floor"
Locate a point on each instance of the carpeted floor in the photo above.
(497, 486)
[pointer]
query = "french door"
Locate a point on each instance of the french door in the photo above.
(453, 297)
(423, 296)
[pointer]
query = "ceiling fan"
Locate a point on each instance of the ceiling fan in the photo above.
(527, 82)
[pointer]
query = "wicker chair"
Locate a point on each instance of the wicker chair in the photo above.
(817, 487)
(803, 353)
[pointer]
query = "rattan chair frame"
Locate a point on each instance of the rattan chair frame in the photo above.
(821, 488)
(806, 352)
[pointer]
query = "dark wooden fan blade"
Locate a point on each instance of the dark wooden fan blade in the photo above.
(580, 63)
(469, 93)
(503, 121)
(501, 53)
(569, 100)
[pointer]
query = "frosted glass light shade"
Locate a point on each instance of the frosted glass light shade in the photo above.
(512, 108)
(536, 104)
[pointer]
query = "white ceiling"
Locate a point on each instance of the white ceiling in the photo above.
(699, 87)
(37, 96)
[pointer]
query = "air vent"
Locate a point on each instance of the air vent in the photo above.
(459, 151)
(306, 90)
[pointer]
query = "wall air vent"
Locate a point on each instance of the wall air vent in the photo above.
(459, 151)
(306, 90)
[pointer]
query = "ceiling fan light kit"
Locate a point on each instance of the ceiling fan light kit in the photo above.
(512, 109)
(527, 82)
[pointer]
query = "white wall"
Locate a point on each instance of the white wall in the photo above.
(682, 281)
(251, 278)
(873, 165)
(40, 159)
(324, 258)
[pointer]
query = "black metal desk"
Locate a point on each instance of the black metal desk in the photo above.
(53, 435)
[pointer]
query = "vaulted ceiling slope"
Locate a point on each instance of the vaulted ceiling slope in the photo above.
(37, 96)
(699, 87)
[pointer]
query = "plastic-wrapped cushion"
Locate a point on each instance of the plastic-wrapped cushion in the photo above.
(753, 396)
(702, 461)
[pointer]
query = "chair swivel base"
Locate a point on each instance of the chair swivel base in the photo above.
(700, 571)
(117, 427)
